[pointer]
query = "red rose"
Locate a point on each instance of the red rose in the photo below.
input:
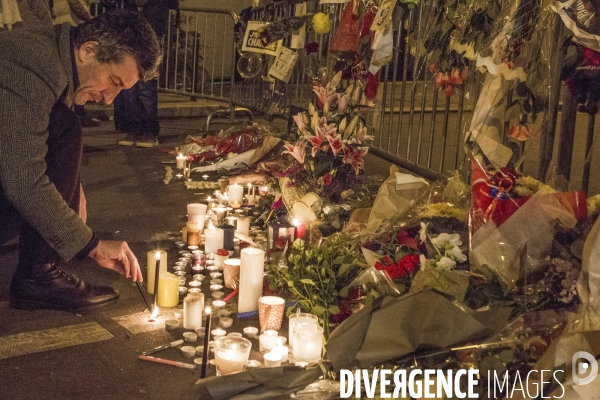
(327, 179)
(404, 238)
(410, 263)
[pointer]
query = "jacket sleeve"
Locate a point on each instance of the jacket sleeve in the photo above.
(30, 84)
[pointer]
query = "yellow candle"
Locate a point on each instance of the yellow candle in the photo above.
(168, 290)
(151, 267)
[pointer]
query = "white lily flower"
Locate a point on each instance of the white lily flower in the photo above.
(423, 231)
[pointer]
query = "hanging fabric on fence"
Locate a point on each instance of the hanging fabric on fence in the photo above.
(347, 37)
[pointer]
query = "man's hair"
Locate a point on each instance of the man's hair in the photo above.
(120, 33)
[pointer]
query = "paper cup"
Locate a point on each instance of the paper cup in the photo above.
(231, 272)
(270, 312)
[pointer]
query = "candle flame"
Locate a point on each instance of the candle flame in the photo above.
(180, 155)
(207, 310)
(154, 313)
(296, 222)
(211, 226)
(157, 255)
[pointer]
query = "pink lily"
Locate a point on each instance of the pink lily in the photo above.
(336, 143)
(316, 141)
(354, 156)
(324, 95)
(296, 150)
(342, 103)
(299, 120)
(361, 135)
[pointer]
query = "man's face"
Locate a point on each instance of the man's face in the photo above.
(102, 81)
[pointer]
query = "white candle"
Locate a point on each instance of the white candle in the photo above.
(300, 318)
(181, 161)
(282, 350)
(268, 340)
(196, 213)
(243, 226)
(249, 189)
(272, 359)
(252, 269)
(213, 240)
(308, 343)
(235, 193)
(192, 311)
(151, 267)
(230, 361)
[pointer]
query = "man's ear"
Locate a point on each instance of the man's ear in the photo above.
(87, 51)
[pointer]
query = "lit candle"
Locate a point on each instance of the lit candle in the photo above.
(235, 193)
(213, 240)
(268, 340)
(192, 233)
(205, 177)
(235, 204)
(249, 191)
(168, 290)
(263, 190)
(243, 225)
(272, 359)
(231, 354)
(300, 318)
(300, 229)
(152, 257)
(192, 311)
(252, 268)
(181, 161)
(196, 213)
(308, 343)
(282, 350)
(206, 340)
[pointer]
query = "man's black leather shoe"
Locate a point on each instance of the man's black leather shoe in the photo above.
(51, 286)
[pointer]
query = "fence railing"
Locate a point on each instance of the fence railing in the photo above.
(415, 125)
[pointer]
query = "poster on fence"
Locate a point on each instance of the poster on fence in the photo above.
(252, 40)
(284, 64)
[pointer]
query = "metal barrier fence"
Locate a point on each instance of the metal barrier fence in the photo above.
(415, 125)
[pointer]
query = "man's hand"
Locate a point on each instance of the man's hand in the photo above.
(82, 205)
(117, 255)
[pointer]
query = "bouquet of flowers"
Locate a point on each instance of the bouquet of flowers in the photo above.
(327, 157)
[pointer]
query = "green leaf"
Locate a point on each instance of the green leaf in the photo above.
(308, 281)
(344, 269)
(318, 310)
(344, 292)
(290, 283)
(334, 310)
(338, 260)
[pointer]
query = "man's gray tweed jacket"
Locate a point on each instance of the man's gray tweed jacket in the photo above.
(36, 71)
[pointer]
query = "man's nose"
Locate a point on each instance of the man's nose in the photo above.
(109, 95)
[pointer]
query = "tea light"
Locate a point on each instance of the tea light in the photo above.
(185, 253)
(272, 360)
(224, 313)
(218, 304)
(217, 333)
(179, 244)
(253, 364)
(215, 288)
(182, 291)
(171, 324)
(218, 295)
(225, 322)
(250, 331)
(268, 340)
(188, 351)
(234, 334)
(205, 177)
(215, 275)
(235, 204)
(216, 281)
(282, 350)
(198, 277)
(194, 291)
(193, 248)
(190, 337)
(194, 283)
